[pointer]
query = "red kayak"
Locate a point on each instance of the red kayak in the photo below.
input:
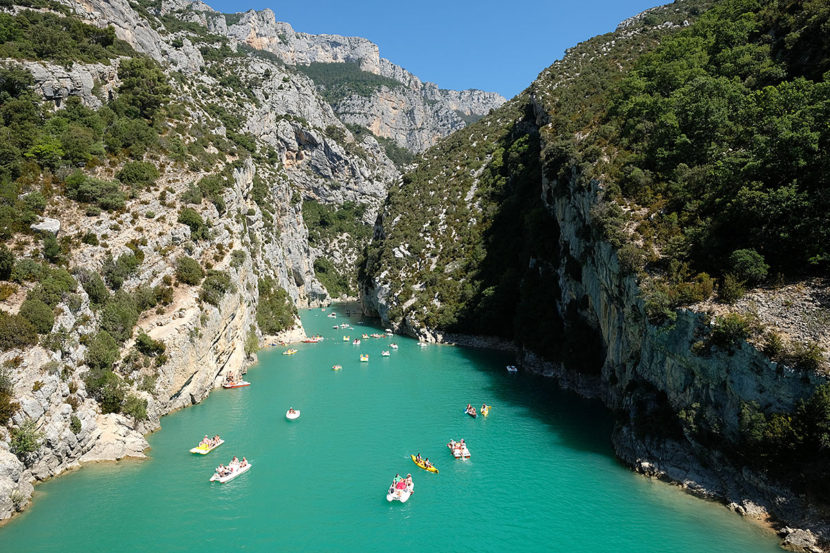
(472, 413)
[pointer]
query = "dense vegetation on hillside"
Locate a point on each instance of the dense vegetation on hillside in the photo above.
(708, 144)
(337, 81)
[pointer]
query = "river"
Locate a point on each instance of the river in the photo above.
(542, 475)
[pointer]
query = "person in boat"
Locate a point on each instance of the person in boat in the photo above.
(427, 463)
(291, 410)
(244, 462)
(397, 478)
(409, 481)
(418, 457)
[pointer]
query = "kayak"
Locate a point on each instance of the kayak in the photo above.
(336, 367)
(291, 351)
(423, 466)
(205, 449)
(486, 410)
(292, 416)
(471, 413)
(240, 384)
(396, 494)
(346, 338)
(231, 476)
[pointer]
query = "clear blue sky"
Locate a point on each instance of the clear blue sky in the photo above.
(499, 46)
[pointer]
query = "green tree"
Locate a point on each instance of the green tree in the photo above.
(748, 265)
(188, 270)
(38, 314)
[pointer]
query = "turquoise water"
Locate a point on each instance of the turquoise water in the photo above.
(542, 476)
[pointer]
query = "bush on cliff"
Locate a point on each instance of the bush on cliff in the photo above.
(106, 387)
(275, 310)
(214, 287)
(16, 332)
(38, 314)
(25, 439)
(7, 404)
(135, 407)
(138, 174)
(189, 271)
(102, 351)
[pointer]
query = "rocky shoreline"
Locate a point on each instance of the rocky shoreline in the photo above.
(703, 472)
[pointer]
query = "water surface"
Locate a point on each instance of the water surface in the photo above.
(542, 476)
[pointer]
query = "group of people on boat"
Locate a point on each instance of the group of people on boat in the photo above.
(231, 378)
(459, 449)
(232, 467)
(400, 483)
(209, 442)
(292, 411)
(425, 461)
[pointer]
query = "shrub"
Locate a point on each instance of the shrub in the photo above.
(773, 345)
(275, 312)
(119, 315)
(7, 405)
(138, 174)
(731, 289)
(193, 195)
(105, 194)
(106, 387)
(51, 248)
(148, 346)
(729, 330)
(237, 258)
(90, 238)
(136, 407)
(191, 218)
(188, 270)
(251, 341)
(75, 424)
(748, 265)
(38, 314)
(16, 332)
(102, 351)
(806, 356)
(25, 439)
(215, 285)
(28, 270)
(116, 272)
(94, 286)
(6, 263)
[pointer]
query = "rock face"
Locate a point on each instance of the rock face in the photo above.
(415, 115)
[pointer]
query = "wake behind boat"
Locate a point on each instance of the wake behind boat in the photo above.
(227, 473)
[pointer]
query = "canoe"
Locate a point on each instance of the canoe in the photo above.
(423, 466)
(293, 416)
(240, 384)
(204, 449)
(231, 476)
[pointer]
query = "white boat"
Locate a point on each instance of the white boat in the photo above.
(393, 346)
(423, 344)
(234, 473)
(332, 315)
(459, 450)
(389, 331)
(385, 353)
(292, 415)
(204, 449)
(394, 494)
(512, 369)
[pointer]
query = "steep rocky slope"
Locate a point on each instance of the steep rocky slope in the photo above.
(413, 113)
(521, 234)
(154, 230)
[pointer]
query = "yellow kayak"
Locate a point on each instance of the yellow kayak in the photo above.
(289, 352)
(486, 410)
(423, 466)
